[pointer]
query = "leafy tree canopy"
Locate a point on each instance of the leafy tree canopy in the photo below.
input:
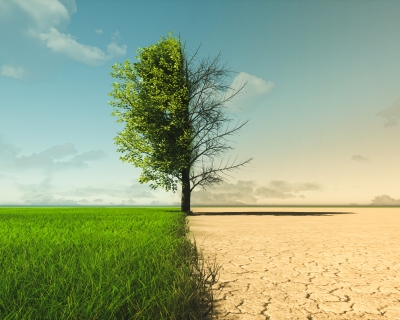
(154, 94)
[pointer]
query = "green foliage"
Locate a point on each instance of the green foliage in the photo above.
(154, 94)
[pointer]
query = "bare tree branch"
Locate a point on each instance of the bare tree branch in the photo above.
(215, 139)
(210, 175)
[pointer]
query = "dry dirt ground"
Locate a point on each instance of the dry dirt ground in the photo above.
(302, 263)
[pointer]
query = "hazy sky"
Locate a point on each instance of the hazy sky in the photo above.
(323, 98)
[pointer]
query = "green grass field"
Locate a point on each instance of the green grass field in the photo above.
(101, 263)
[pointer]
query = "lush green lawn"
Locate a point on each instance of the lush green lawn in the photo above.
(100, 263)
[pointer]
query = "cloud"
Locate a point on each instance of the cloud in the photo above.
(41, 194)
(135, 190)
(113, 49)
(359, 158)
(255, 85)
(44, 193)
(45, 13)
(60, 151)
(10, 161)
(247, 192)
(7, 70)
(67, 45)
(283, 186)
(6, 177)
(8, 153)
(129, 202)
(89, 156)
(384, 200)
(45, 158)
(36, 43)
(99, 31)
(391, 114)
(251, 96)
(5, 10)
(164, 203)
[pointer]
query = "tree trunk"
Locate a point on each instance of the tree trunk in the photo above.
(185, 200)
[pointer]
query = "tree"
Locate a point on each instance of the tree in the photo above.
(171, 120)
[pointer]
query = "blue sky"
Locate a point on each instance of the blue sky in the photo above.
(323, 99)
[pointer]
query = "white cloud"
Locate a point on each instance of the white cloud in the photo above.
(45, 193)
(41, 194)
(89, 156)
(255, 85)
(385, 200)
(60, 151)
(391, 114)
(113, 49)
(99, 31)
(36, 43)
(70, 5)
(9, 71)
(6, 10)
(251, 96)
(67, 45)
(9, 160)
(359, 158)
(8, 153)
(44, 13)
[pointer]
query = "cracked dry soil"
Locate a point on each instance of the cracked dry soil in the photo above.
(302, 263)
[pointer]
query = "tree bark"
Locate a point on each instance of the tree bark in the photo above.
(185, 200)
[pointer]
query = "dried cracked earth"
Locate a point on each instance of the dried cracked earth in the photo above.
(302, 263)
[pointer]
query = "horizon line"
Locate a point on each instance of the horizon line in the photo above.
(197, 206)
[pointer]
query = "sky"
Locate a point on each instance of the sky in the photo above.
(322, 99)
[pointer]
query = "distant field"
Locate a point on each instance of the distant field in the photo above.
(97, 263)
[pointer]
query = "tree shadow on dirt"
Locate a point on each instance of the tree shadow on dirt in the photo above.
(269, 213)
